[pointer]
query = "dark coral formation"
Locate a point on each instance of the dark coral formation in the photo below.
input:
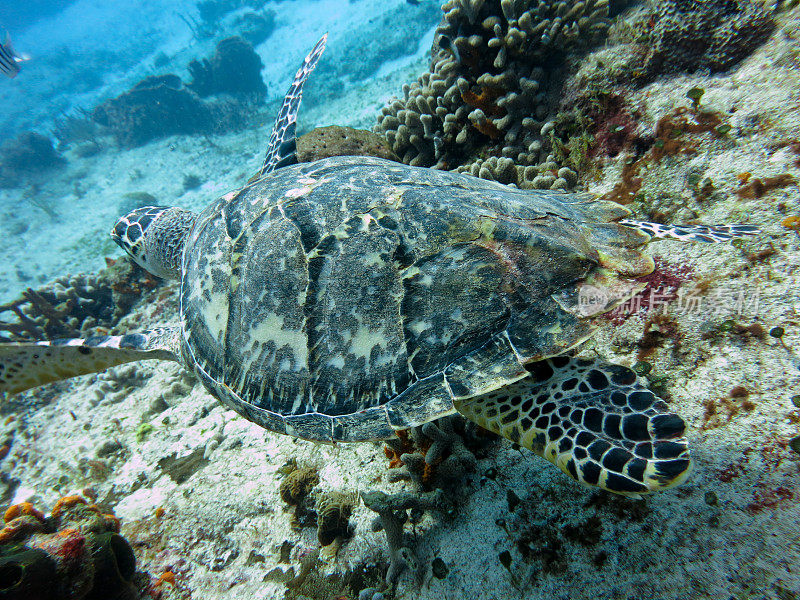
(487, 91)
(28, 154)
(75, 305)
(75, 553)
(156, 107)
(160, 105)
(336, 140)
(234, 69)
(705, 34)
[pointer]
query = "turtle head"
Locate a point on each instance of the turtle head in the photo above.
(154, 237)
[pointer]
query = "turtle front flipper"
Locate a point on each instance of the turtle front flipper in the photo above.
(28, 365)
(592, 419)
(282, 149)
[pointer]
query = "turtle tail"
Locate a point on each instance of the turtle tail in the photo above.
(594, 420)
(710, 234)
(31, 364)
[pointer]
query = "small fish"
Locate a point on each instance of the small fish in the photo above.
(413, 2)
(446, 44)
(9, 59)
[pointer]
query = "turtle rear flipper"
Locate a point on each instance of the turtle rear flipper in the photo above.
(592, 419)
(710, 234)
(28, 365)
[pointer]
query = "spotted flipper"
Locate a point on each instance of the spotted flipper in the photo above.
(712, 234)
(282, 150)
(592, 419)
(28, 365)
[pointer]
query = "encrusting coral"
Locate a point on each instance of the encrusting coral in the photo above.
(297, 484)
(486, 91)
(335, 140)
(333, 516)
(76, 553)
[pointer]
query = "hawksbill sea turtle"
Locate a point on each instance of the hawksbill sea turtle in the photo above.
(348, 298)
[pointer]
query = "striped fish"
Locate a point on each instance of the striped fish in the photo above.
(9, 59)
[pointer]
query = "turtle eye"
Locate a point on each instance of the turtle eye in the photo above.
(119, 231)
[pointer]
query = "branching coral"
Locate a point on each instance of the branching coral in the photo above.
(434, 455)
(392, 515)
(77, 305)
(486, 90)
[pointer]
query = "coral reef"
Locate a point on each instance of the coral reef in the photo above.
(297, 484)
(75, 553)
(234, 69)
(76, 305)
(705, 34)
(486, 92)
(29, 154)
(336, 140)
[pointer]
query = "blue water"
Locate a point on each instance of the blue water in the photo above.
(85, 52)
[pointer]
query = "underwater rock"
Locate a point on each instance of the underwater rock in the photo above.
(336, 140)
(75, 553)
(76, 305)
(29, 154)
(255, 27)
(705, 34)
(133, 200)
(486, 90)
(234, 69)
